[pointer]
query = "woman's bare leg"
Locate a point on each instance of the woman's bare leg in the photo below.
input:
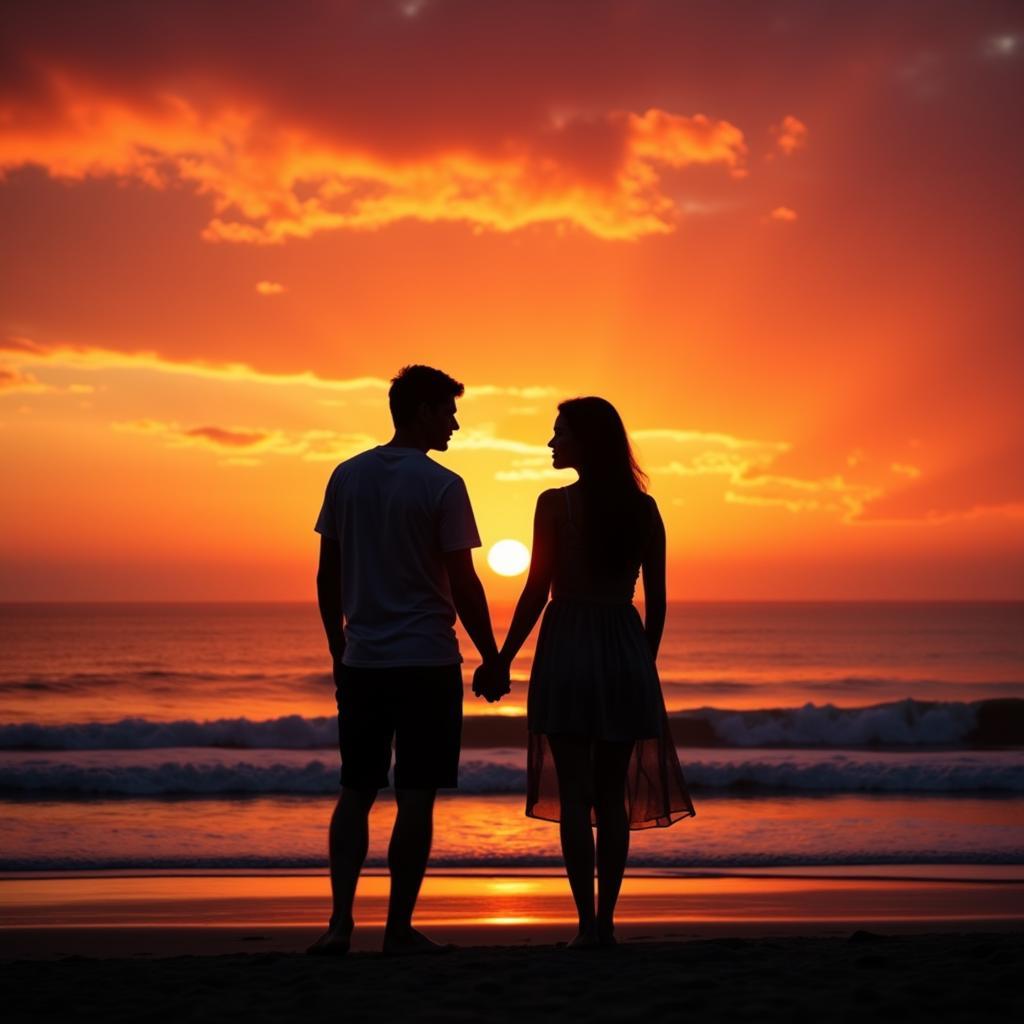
(611, 762)
(573, 765)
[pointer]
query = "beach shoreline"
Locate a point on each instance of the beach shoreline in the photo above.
(178, 913)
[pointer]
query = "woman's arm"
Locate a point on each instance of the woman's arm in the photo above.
(654, 582)
(538, 582)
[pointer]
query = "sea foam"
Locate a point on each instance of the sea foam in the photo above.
(206, 774)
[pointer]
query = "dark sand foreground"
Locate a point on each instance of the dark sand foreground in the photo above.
(863, 975)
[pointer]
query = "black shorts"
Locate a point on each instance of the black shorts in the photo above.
(418, 708)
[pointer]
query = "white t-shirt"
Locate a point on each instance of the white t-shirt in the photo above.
(395, 513)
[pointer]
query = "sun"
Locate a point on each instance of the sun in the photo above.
(508, 558)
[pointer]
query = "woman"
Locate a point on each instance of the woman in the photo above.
(600, 751)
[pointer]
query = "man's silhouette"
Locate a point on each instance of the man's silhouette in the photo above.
(396, 537)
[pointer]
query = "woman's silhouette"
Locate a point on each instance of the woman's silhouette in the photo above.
(600, 751)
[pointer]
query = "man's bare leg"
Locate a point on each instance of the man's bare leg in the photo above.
(348, 841)
(407, 860)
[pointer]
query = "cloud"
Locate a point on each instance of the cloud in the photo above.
(270, 178)
(412, 8)
(828, 494)
(790, 135)
(981, 483)
(784, 214)
(536, 466)
(867, 487)
(750, 471)
(12, 381)
(746, 465)
(269, 288)
(698, 453)
(17, 353)
(308, 445)
(222, 437)
(16, 381)
(1002, 47)
(703, 437)
(483, 439)
(531, 392)
(692, 453)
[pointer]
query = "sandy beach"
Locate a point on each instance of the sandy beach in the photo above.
(769, 946)
(969, 977)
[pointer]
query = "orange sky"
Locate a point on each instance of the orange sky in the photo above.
(784, 239)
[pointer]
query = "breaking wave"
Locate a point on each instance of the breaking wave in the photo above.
(906, 723)
(192, 773)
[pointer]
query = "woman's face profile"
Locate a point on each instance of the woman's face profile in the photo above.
(563, 448)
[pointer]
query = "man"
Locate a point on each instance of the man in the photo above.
(396, 538)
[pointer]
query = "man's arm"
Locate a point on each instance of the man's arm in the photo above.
(471, 602)
(328, 595)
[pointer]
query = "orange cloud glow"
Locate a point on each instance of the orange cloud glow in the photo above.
(308, 445)
(790, 135)
(13, 380)
(269, 181)
(22, 351)
(227, 438)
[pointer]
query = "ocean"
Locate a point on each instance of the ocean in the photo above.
(202, 736)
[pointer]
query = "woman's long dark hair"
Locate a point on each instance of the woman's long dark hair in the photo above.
(616, 514)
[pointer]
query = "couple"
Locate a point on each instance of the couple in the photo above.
(396, 538)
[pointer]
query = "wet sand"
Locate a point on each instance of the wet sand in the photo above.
(59, 915)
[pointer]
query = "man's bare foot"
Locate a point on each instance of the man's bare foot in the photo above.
(606, 936)
(409, 942)
(333, 942)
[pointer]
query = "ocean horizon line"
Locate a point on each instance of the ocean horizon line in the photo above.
(131, 602)
(954, 872)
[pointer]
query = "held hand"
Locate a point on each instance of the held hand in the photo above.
(483, 684)
(491, 681)
(504, 678)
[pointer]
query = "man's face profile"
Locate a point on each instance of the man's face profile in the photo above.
(439, 423)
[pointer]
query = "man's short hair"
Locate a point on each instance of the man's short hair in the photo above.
(414, 385)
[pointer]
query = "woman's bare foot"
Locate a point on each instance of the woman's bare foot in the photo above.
(586, 938)
(606, 934)
(334, 942)
(409, 942)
